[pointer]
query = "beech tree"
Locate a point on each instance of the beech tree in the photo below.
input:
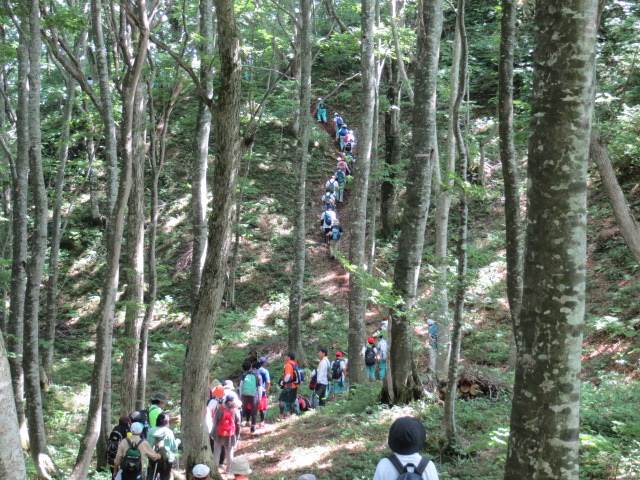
(543, 441)
(11, 459)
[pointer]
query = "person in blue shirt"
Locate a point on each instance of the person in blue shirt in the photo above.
(263, 404)
(338, 121)
(321, 111)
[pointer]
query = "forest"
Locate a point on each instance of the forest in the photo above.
(321, 217)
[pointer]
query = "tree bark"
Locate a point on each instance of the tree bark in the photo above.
(393, 152)
(114, 244)
(19, 249)
(56, 230)
(441, 287)
(449, 420)
(624, 217)
(201, 161)
(509, 164)
(11, 458)
(300, 251)
(357, 294)
(418, 197)
(545, 420)
(207, 308)
(134, 273)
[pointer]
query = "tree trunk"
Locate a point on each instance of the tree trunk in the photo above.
(56, 231)
(300, 252)
(624, 218)
(357, 294)
(418, 197)
(509, 164)
(134, 273)
(19, 251)
(11, 458)
(114, 244)
(393, 152)
(207, 308)
(449, 420)
(35, 268)
(201, 161)
(545, 414)
(372, 201)
(441, 287)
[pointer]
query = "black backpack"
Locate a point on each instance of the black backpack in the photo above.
(369, 357)
(405, 474)
(336, 370)
(112, 446)
(132, 462)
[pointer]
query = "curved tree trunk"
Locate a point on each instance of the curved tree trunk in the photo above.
(297, 284)
(11, 458)
(207, 308)
(545, 415)
(357, 294)
(418, 198)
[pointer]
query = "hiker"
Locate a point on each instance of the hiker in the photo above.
(132, 451)
(432, 328)
(331, 185)
(342, 165)
(158, 403)
(341, 179)
(327, 219)
(216, 398)
(240, 468)
(335, 234)
(201, 471)
(166, 444)
(303, 404)
(370, 354)
(407, 436)
(289, 383)
(226, 428)
(265, 376)
(382, 356)
(321, 111)
(328, 200)
(322, 376)
(230, 391)
(119, 432)
(250, 391)
(338, 375)
(342, 135)
(350, 142)
(338, 121)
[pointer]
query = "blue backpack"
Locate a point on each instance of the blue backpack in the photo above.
(327, 219)
(336, 233)
(341, 177)
(343, 132)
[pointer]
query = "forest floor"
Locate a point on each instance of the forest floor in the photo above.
(345, 439)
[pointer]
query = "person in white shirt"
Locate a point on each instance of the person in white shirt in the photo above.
(322, 376)
(382, 355)
(407, 436)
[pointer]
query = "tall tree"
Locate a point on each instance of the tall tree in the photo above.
(449, 419)
(357, 254)
(115, 229)
(206, 47)
(393, 151)
(11, 458)
(545, 420)
(35, 267)
(207, 308)
(300, 233)
(509, 163)
(418, 198)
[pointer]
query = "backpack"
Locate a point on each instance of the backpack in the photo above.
(405, 474)
(335, 234)
(369, 357)
(112, 445)
(298, 375)
(336, 370)
(343, 132)
(313, 383)
(249, 385)
(226, 426)
(132, 462)
(341, 177)
(327, 222)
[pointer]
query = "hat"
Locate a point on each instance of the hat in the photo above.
(136, 428)
(407, 435)
(430, 322)
(159, 397)
(200, 471)
(371, 340)
(217, 391)
(339, 354)
(228, 384)
(160, 433)
(239, 466)
(263, 361)
(307, 476)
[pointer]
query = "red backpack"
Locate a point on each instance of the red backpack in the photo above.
(226, 426)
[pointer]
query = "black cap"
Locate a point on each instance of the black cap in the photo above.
(407, 435)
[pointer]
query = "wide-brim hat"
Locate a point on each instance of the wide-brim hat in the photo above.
(240, 466)
(200, 471)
